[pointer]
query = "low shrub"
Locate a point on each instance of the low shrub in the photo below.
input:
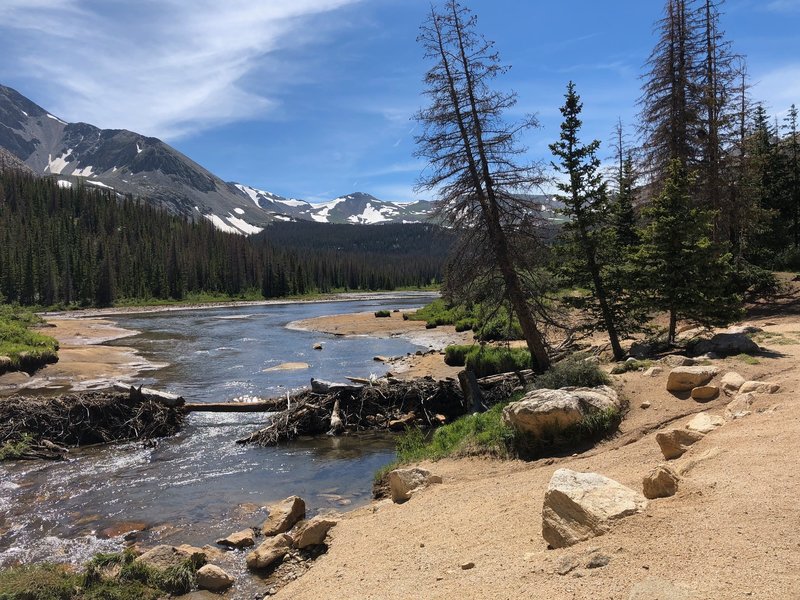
(465, 325)
(456, 356)
(631, 365)
(382, 314)
(485, 360)
(574, 371)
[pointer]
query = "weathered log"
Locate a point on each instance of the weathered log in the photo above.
(318, 386)
(521, 377)
(471, 391)
(143, 393)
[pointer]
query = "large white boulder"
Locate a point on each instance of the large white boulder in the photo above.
(759, 387)
(213, 578)
(685, 379)
(675, 442)
(283, 516)
(552, 411)
(732, 382)
(402, 482)
(705, 423)
(579, 506)
(312, 532)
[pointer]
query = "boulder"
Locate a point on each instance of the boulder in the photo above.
(653, 372)
(732, 382)
(312, 532)
(675, 442)
(579, 506)
(759, 387)
(704, 393)
(214, 579)
(239, 540)
(551, 411)
(726, 344)
(705, 423)
(740, 406)
(685, 379)
(283, 516)
(661, 482)
(163, 557)
(402, 482)
(678, 360)
(269, 552)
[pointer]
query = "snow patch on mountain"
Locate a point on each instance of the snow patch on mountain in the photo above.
(49, 116)
(238, 211)
(100, 184)
(221, 225)
(243, 226)
(84, 172)
(63, 183)
(56, 165)
(370, 216)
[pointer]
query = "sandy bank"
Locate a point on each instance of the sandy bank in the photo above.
(367, 324)
(85, 361)
(729, 533)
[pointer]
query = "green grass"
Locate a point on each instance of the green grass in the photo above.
(632, 365)
(489, 323)
(115, 576)
(24, 348)
(574, 371)
(770, 337)
(12, 450)
(747, 359)
(486, 360)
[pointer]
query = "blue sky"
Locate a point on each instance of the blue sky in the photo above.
(313, 98)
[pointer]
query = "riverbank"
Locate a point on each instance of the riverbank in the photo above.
(429, 364)
(726, 534)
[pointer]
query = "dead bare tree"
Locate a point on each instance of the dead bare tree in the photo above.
(471, 151)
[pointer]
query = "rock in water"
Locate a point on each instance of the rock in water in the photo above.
(269, 552)
(163, 557)
(283, 516)
(726, 344)
(313, 532)
(685, 379)
(675, 442)
(705, 423)
(402, 482)
(579, 506)
(239, 540)
(661, 482)
(552, 411)
(214, 579)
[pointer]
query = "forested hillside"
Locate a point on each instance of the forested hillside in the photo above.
(77, 246)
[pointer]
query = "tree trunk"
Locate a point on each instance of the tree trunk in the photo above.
(673, 326)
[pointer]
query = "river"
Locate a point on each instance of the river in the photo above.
(199, 485)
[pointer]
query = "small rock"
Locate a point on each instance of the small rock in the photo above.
(566, 564)
(312, 532)
(269, 552)
(705, 423)
(740, 406)
(684, 379)
(653, 372)
(579, 506)
(214, 579)
(402, 482)
(675, 442)
(283, 516)
(646, 404)
(239, 540)
(403, 422)
(677, 360)
(732, 382)
(317, 346)
(661, 482)
(597, 560)
(759, 387)
(467, 566)
(704, 393)
(383, 359)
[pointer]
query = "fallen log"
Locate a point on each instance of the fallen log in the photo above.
(171, 400)
(272, 405)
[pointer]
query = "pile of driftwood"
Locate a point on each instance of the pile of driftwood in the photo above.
(388, 404)
(48, 424)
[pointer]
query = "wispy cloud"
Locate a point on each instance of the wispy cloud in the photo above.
(784, 5)
(161, 67)
(779, 88)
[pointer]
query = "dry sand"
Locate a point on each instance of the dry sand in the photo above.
(85, 362)
(732, 531)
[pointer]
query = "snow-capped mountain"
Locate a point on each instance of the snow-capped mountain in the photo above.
(130, 163)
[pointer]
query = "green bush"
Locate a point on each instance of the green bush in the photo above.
(574, 371)
(485, 360)
(499, 328)
(465, 325)
(382, 314)
(456, 356)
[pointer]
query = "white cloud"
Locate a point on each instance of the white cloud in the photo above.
(161, 67)
(779, 88)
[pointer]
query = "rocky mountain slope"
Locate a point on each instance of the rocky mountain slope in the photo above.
(130, 163)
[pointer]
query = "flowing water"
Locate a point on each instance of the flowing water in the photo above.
(200, 485)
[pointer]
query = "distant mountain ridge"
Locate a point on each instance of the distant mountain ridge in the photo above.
(130, 163)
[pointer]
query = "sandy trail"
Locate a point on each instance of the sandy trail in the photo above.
(730, 532)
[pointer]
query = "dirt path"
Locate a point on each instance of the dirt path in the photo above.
(730, 532)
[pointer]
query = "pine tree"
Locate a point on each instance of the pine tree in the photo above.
(679, 270)
(793, 171)
(623, 214)
(585, 200)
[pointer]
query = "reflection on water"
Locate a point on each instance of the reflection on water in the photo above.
(191, 488)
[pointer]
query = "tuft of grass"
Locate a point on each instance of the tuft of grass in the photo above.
(574, 371)
(771, 337)
(15, 449)
(486, 360)
(747, 359)
(382, 314)
(20, 347)
(631, 365)
(38, 582)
